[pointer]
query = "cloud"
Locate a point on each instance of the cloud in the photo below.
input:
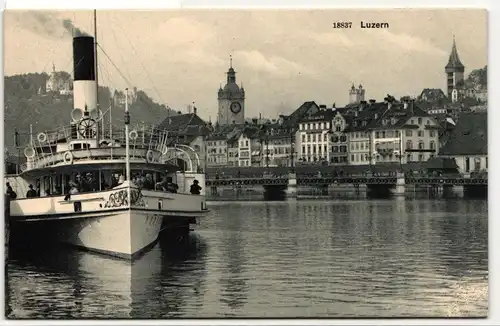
(410, 43)
(334, 38)
(274, 65)
(180, 31)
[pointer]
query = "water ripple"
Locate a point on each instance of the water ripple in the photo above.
(341, 258)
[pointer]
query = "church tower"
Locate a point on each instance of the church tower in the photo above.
(231, 100)
(356, 95)
(454, 75)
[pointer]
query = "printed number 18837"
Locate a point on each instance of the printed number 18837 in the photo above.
(342, 24)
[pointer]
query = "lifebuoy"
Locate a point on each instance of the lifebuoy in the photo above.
(68, 157)
(29, 152)
(149, 156)
(133, 135)
(42, 137)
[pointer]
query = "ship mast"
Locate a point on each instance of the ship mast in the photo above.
(127, 144)
(97, 79)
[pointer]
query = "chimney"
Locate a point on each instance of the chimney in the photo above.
(84, 84)
(322, 107)
(195, 110)
(372, 101)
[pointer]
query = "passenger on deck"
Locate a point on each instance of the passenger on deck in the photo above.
(171, 186)
(12, 194)
(148, 182)
(73, 190)
(114, 182)
(195, 188)
(121, 179)
(31, 192)
(104, 185)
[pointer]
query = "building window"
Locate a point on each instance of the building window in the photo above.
(357, 146)
(335, 149)
(420, 145)
(409, 133)
(352, 157)
(303, 138)
(409, 144)
(335, 139)
(432, 133)
(420, 157)
(325, 137)
(409, 158)
(338, 128)
(343, 149)
(308, 138)
(432, 145)
(377, 134)
(343, 139)
(314, 138)
(420, 133)
(419, 121)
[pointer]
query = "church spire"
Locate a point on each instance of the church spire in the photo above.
(230, 61)
(454, 63)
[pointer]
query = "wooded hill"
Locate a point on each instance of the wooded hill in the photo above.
(26, 102)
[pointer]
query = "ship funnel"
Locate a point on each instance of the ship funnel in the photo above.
(84, 84)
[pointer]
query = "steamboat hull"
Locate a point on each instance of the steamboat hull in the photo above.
(123, 233)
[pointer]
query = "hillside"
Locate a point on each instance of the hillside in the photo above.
(26, 102)
(478, 79)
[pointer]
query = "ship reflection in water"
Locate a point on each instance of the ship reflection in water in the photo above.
(296, 258)
(60, 283)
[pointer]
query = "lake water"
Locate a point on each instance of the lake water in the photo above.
(295, 258)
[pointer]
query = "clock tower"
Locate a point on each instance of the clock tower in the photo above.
(231, 100)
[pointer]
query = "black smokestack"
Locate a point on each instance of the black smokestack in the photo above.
(83, 58)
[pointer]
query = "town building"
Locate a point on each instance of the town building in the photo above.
(231, 100)
(395, 132)
(59, 82)
(188, 130)
(468, 143)
(277, 145)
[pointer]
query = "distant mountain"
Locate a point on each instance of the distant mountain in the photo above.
(27, 102)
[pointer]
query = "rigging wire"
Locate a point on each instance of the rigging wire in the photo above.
(142, 64)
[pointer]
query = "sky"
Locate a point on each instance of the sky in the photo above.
(282, 57)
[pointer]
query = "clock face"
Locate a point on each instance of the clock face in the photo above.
(235, 107)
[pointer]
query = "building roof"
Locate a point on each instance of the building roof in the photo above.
(306, 108)
(432, 94)
(454, 62)
(373, 116)
(469, 137)
(189, 123)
